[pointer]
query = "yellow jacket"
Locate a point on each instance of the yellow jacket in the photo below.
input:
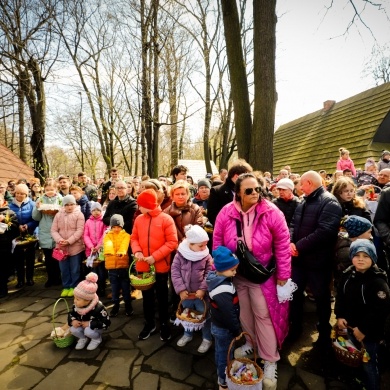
(116, 244)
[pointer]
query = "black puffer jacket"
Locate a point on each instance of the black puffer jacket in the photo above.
(287, 207)
(363, 299)
(126, 208)
(219, 197)
(314, 229)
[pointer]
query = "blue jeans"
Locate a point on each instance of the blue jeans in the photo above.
(371, 372)
(198, 305)
(70, 270)
(81, 333)
(119, 279)
(222, 340)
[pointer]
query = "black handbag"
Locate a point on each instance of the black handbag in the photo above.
(249, 267)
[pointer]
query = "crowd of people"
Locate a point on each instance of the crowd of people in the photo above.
(320, 236)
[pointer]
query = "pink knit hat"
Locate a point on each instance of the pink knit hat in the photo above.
(87, 288)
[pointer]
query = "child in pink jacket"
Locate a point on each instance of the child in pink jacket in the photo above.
(345, 162)
(93, 239)
(67, 231)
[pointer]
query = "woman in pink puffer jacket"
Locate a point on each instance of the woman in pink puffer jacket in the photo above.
(266, 234)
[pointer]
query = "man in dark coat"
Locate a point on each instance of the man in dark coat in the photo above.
(124, 205)
(313, 233)
(223, 194)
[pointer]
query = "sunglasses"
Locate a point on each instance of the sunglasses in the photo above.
(248, 191)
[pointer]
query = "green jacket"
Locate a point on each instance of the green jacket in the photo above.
(45, 221)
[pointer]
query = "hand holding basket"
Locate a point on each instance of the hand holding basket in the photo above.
(61, 341)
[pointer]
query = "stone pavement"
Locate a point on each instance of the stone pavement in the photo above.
(29, 359)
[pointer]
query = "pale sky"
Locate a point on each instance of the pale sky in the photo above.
(315, 61)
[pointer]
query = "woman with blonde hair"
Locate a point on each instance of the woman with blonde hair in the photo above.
(345, 191)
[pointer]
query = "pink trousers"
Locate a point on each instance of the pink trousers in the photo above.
(255, 319)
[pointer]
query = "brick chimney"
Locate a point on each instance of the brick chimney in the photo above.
(328, 105)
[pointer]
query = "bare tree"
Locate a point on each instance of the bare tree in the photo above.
(26, 45)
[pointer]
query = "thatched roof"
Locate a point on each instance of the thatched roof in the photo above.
(360, 123)
(12, 167)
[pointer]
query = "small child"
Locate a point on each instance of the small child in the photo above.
(93, 239)
(190, 267)
(116, 245)
(363, 304)
(46, 241)
(67, 231)
(354, 227)
(88, 317)
(153, 240)
(225, 311)
(345, 162)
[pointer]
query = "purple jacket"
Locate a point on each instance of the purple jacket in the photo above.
(190, 275)
(270, 237)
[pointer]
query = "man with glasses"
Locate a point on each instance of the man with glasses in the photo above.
(123, 204)
(3, 191)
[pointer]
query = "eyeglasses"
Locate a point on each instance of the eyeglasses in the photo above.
(248, 191)
(121, 188)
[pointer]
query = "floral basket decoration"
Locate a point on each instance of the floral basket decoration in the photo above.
(25, 240)
(6, 224)
(61, 335)
(142, 280)
(243, 373)
(190, 319)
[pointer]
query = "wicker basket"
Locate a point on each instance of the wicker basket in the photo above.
(190, 324)
(351, 359)
(231, 381)
(61, 342)
(49, 212)
(26, 240)
(144, 280)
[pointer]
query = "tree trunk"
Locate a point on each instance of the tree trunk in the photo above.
(238, 79)
(264, 44)
(22, 141)
(35, 95)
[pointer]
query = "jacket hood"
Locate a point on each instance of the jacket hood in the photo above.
(378, 272)
(82, 201)
(213, 280)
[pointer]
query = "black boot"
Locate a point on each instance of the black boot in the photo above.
(115, 310)
(129, 309)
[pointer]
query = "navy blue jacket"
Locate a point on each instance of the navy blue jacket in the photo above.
(314, 229)
(224, 307)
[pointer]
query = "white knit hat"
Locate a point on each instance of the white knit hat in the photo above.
(195, 234)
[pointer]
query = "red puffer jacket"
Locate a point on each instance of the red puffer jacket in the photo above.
(154, 234)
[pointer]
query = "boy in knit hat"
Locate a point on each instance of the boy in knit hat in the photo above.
(88, 317)
(363, 304)
(116, 244)
(190, 267)
(353, 228)
(224, 308)
(153, 240)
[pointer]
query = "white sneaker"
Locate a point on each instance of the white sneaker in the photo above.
(81, 343)
(270, 375)
(245, 351)
(94, 344)
(183, 341)
(204, 346)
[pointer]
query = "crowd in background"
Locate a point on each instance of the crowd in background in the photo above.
(306, 223)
